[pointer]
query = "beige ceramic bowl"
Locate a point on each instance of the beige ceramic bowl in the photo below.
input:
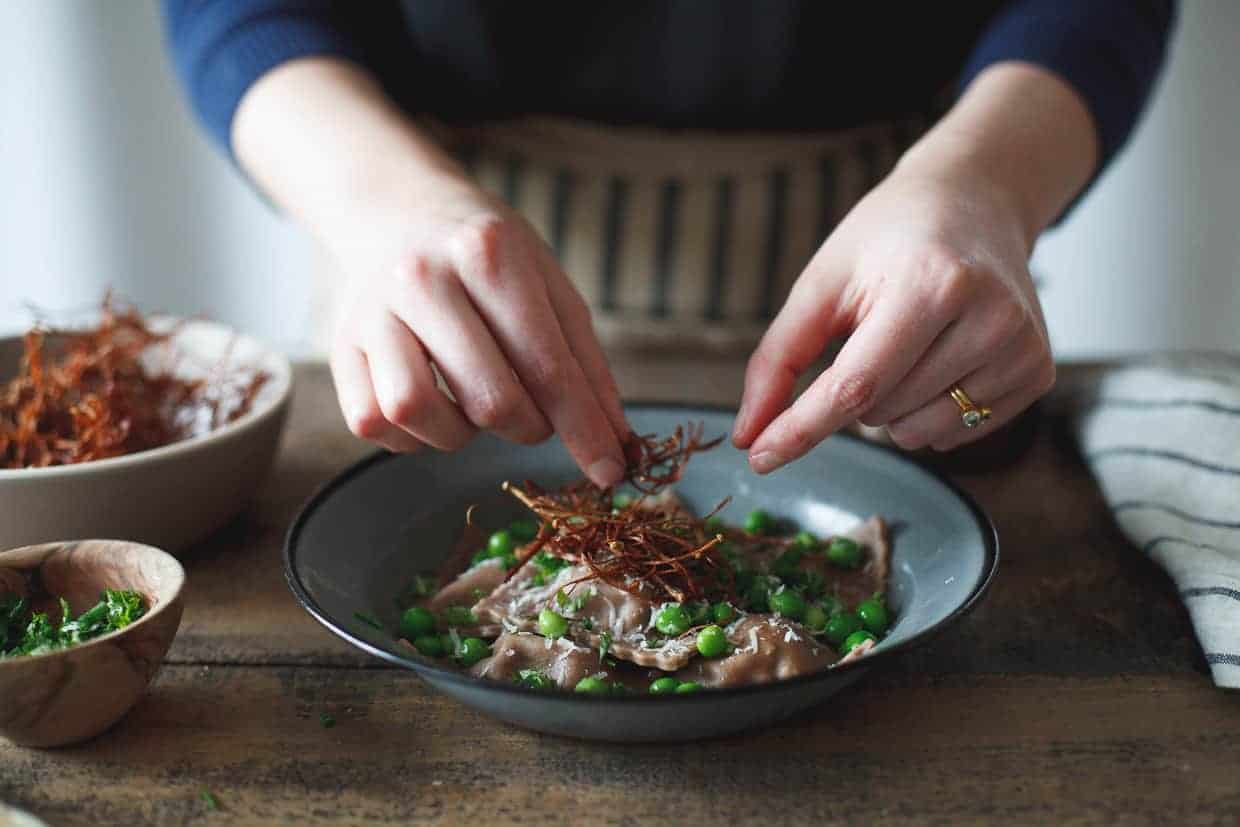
(76, 693)
(169, 497)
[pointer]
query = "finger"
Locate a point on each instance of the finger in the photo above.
(517, 308)
(964, 346)
(1004, 410)
(885, 346)
(1022, 365)
(814, 313)
(574, 318)
(356, 395)
(432, 301)
(406, 390)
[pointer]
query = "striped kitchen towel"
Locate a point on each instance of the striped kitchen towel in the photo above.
(1163, 440)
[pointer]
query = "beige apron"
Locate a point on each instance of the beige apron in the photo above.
(678, 240)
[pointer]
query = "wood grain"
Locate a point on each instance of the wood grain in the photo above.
(1095, 750)
(1073, 694)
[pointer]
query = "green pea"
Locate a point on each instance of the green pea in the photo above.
(687, 687)
(805, 541)
(672, 620)
(551, 623)
(429, 645)
(811, 583)
(699, 613)
(664, 686)
(523, 530)
(457, 616)
(856, 639)
(873, 615)
(787, 603)
(759, 523)
(815, 618)
(840, 626)
(415, 623)
(831, 605)
(622, 501)
(712, 642)
(785, 565)
(757, 594)
(592, 686)
(844, 553)
(723, 613)
(449, 645)
(500, 544)
(472, 650)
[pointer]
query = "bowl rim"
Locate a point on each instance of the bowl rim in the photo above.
(149, 550)
(282, 378)
(990, 566)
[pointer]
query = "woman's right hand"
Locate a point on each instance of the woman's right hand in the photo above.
(460, 282)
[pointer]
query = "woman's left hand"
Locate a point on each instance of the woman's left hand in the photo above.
(928, 278)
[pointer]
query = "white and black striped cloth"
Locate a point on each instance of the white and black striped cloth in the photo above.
(1163, 441)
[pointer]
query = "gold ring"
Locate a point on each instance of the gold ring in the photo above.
(971, 415)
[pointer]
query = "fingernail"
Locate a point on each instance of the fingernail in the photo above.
(740, 425)
(764, 462)
(605, 472)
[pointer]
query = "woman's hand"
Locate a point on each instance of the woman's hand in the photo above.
(465, 284)
(928, 278)
(443, 281)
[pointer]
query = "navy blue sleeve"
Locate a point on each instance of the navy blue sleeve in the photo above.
(1110, 51)
(221, 47)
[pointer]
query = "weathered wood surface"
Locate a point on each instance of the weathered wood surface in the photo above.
(1073, 694)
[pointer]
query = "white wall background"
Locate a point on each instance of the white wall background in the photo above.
(104, 180)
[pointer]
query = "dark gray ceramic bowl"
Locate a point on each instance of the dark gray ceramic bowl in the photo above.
(359, 541)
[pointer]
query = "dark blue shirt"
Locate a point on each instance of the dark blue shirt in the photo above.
(770, 65)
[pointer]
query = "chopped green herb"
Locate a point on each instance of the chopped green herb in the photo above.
(571, 605)
(423, 585)
(35, 633)
(534, 679)
(209, 799)
(327, 720)
(547, 563)
(604, 644)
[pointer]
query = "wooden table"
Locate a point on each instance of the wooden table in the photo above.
(1074, 694)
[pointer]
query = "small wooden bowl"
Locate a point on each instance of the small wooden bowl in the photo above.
(73, 694)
